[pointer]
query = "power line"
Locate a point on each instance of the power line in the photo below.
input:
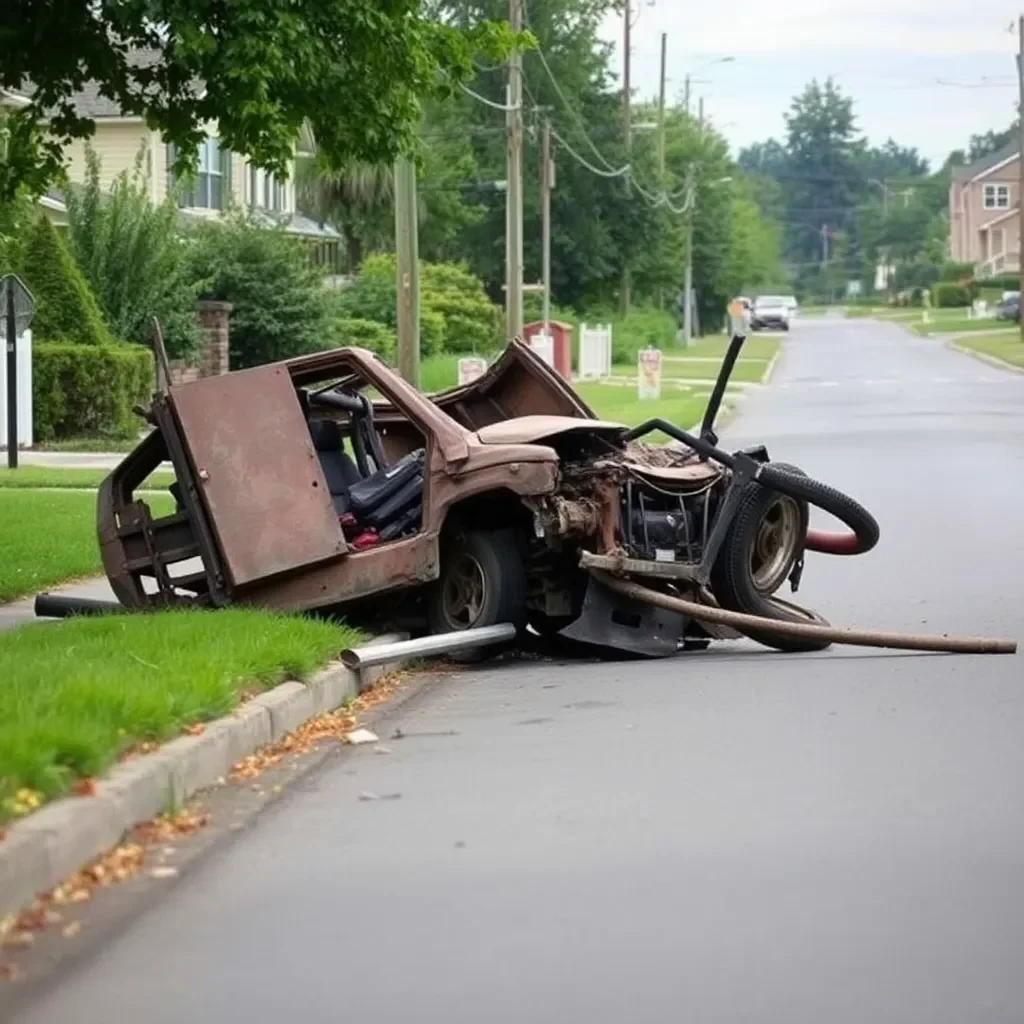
(561, 95)
(611, 173)
(483, 99)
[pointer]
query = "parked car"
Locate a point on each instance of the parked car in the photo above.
(1009, 307)
(770, 311)
(794, 306)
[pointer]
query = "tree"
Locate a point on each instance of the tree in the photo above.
(66, 310)
(279, 303)
(824, 176)
(354, 70)
(133, 256)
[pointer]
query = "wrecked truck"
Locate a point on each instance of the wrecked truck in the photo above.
(329, 482)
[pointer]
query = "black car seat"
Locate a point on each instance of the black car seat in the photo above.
(338, 467)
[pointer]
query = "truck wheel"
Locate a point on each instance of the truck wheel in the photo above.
(482, 583)
(764, 541)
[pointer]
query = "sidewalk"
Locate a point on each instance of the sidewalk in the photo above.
(73, 460)
(19, 612)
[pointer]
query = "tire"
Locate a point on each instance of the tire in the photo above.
(489, 564)
(735, 578)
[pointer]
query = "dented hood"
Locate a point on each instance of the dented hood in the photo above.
(527, 429)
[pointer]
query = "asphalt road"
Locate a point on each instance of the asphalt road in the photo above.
(729, 836)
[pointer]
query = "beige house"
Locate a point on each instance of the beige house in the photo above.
(984, 213)
(222, 179)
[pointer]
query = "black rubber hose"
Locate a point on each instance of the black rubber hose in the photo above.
(852, 513)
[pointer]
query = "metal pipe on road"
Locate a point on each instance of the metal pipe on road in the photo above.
(427, 646)
(745, 623)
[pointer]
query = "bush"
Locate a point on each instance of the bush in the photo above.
(947, 295)
(279, 302)
(455, 313)
(88, 390)
(66, 309)
(365, 334)
(1000, 283)
(955, 272)
(133, 256)
(639, 329)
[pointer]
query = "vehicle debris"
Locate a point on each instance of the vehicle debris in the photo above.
(328, 482)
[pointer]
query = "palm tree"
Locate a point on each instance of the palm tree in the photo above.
(356, 200)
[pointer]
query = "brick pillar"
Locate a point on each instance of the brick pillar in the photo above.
(213, 325)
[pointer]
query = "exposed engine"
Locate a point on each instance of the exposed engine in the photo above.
(665, 527)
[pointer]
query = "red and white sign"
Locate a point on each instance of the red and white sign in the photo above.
(471, 368)
(648, 374)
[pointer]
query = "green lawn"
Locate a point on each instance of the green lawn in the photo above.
(1005, 345)
(75, 694)
(47, 537)
(960, 325)
(45, 476)
(90, 444)
(619, 403)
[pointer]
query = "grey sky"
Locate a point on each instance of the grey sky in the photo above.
(887, 55)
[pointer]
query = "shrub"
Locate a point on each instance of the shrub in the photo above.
(455, 313)
(947, 295)
(66, 309)
(953, 271)
(279, 302)
(365, 334)
(1001, 283)
(133, 256)
(88, 390)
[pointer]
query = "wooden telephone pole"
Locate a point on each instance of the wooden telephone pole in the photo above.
(1020, 159)
(514, 176)
(627, 134)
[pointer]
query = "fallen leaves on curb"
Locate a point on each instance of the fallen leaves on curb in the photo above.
(123, 862)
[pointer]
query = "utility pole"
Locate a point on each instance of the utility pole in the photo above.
(824, 246)
(1020, 156)
(686, 95)
(661, 137)
(514, 175)
(700, 113)
(407, 270)
(547, 183)
(627, 134)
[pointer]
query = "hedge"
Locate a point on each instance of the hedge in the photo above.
(948, 295)
(82, 390)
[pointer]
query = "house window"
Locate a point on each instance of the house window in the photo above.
(997, 197)
(266, 192)
(209, 186)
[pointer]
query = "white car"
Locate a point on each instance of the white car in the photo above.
(770, 311)
(794, 306)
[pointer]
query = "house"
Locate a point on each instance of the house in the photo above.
(222, 179)
(984, 213)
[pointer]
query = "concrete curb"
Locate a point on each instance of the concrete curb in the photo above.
(41, 851)
(770, 368)
(1001, 364)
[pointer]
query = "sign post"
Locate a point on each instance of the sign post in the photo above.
(648, 378)
(17, 308)
(470, 369)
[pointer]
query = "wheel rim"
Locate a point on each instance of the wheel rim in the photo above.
(775, 544)
(464, 592)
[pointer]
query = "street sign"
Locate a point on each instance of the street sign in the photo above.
(648, 375)
(470, 369)
(17, 307)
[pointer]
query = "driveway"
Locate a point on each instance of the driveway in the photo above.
(733, 836)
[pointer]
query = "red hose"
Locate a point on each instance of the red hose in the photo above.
(833, 543)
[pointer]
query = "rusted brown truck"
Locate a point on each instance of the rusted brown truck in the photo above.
(329, 482)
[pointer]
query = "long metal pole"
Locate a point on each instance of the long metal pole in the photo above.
(688, 285)
(627, 135)
(407, 270)
(12, 379)
(428, 646)
(546, 175)
(1020, 158)
(514, 174)
(661, 138)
